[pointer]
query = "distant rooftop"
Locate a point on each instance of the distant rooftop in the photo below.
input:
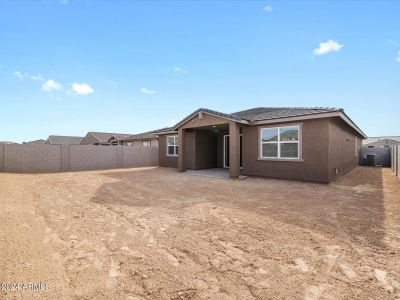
(64, 140)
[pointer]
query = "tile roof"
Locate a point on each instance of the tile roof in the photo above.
(263, 113)
(269, 113)
(104, 137)
(254, 115)
(146, 135)
(64, 140)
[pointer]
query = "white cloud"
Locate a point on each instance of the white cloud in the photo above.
(267, 8)
(51, 85)
(147, 91)
(180, 70)
(82, 88)
(327, 47)
(398, 57)
(20, 75)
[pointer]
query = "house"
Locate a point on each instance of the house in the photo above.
(380, 147)
(64, 140)
(381, 141)
(104, 138)
(146, 139)
(317, 144)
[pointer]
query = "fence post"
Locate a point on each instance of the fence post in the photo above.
(2, 158)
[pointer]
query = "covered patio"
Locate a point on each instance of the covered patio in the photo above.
(210, 142)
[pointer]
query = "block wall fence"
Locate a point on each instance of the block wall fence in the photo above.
(44, 158)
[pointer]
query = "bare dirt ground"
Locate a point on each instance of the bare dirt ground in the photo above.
(157, 234)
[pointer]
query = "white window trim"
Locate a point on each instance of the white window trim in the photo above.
(279, 158)
(176, 145)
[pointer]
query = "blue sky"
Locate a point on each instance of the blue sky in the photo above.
(68, 67)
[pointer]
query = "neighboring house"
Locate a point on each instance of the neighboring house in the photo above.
(41, 141)
(381, 141)
(64, 140)
(146, 139)
(380, 147)
(104, 138)
(317, 144)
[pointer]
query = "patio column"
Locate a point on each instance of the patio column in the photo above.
(181, 150)
(234, 150)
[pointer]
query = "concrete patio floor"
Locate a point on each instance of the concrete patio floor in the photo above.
(222, 173)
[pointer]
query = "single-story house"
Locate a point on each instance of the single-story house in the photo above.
(316, 144)
(104, 138)
(64, 140)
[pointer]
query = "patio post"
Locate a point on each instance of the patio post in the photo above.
(181, 150)
(234, 150)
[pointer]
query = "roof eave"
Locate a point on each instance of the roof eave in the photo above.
(338, 113)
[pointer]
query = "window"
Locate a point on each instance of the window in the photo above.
(280, 142)
(172, 145)
(129, 143)
(146, 143)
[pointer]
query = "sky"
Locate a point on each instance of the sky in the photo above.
(72, 66)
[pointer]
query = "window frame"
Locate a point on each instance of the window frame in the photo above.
(279, 143)
(176, 145)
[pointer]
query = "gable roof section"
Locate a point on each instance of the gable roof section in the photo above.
(104, 137)
(213, 113)
(262, 115)
(64, 140)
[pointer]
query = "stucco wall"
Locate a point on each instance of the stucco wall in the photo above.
(43, 158)
(206, 149)
(314, 147)
(342, 148)
(163, 159)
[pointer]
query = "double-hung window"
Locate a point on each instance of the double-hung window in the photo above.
(280, 142)
(172, 145)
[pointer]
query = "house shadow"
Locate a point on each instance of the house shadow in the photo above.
(351, 208)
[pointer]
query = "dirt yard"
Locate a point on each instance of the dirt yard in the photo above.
(157, 234)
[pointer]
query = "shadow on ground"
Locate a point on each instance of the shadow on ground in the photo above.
(351, 208)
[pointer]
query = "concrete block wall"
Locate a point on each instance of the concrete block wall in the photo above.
(45, 158)
(32, 158)
(91, 157)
